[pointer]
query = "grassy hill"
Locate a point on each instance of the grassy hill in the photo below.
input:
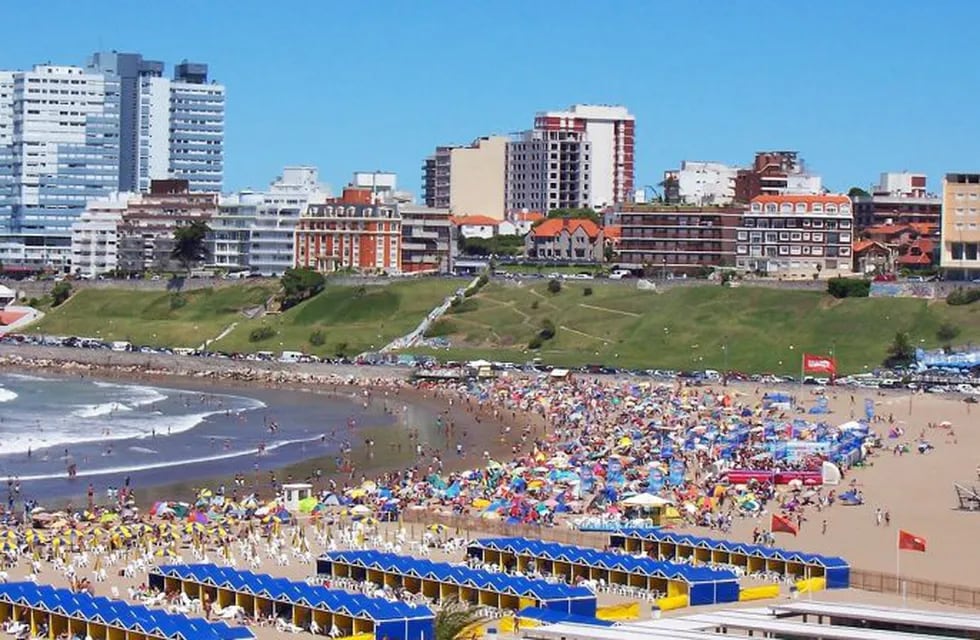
(748, 328)
(358, 318)
(693, 327)
(153, 317)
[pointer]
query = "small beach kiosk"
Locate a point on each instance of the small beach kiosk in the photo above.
(294, 493)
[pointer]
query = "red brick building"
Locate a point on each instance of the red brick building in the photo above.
(355, 231)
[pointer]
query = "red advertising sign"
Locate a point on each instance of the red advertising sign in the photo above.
(819, 364)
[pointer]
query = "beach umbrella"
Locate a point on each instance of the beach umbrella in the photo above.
(8, 534)
(306, 505)
(8, 545)
(34, 537)
(360, 510)
(108, 517)
(437, 528)
(195, 527)
(198, 517)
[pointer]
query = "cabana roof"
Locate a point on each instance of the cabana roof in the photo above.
(460, 576)
(606, 560)
(289, 592)
(117, 613)
(657, 535)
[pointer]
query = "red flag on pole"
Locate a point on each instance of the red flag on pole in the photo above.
(910, 542)
(819, 364)
(779, 523)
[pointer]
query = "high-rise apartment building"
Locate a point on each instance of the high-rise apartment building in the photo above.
(547, 170)
(959, 256)
(467, 180)
(610, 131)
(59, 146)
(169, 128)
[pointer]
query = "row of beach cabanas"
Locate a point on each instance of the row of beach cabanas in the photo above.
(440, 581)
(701, 585)
(264, 596)
(52, 612)
(668, 545)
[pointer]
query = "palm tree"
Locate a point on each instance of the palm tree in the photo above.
(455, 619)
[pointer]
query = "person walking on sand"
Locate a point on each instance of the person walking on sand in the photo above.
(823, 528)
(878, 516)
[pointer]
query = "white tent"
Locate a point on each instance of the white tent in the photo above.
(646, 500)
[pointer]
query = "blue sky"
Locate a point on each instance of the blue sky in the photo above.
(856, 87)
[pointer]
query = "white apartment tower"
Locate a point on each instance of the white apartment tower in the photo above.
(59, 146)
(169, 128)
(610, 132)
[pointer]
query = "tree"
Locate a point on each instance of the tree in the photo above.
(946, 333)
(586, 213)
(60, 292)
(190, 244)
(855, 192)
(300, 284)
(900, 352)
(456, 619)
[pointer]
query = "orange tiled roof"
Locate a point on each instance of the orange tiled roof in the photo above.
(554, 226)
(528, 216)
(925, 245)
(475, 221)
(861, 245)
(920, 259)
(924, 228)
(612, 231)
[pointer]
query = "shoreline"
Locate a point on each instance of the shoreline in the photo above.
(377, 386)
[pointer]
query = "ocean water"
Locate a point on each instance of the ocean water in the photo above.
(109, 430)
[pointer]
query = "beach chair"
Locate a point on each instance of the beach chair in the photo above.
(968, 497)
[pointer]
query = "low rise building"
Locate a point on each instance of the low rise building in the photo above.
(524, 221)
(428, 242)
(146, 232)
(705, 183)
(797, 235)
(95, 236)
(482, 227)
(356, 231)
(898, 198)
(571, 239)
(677, 239)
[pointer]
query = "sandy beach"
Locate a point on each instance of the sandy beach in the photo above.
(916, 490)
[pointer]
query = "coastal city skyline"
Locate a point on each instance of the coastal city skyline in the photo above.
(697, 107)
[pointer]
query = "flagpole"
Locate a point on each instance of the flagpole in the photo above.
(898, 564)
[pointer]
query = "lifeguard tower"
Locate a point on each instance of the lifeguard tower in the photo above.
(293, 493)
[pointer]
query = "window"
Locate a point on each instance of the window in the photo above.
(770, 236)
(783, 236)
(971, 250)
(755, 237)
(818, 207)
(796, 250)
(800, 207)
(818, 237)
(756, 207)
(831, 208)
(742, 235)
(786, 207)
(956, 249)
(771, 208)
(784, 250)
(818, 224)
(796, 236)
(806, 250)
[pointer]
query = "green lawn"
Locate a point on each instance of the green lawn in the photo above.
(150, 317)
(693, 327)
(751, 329)
(363, 318)
(545, 270)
